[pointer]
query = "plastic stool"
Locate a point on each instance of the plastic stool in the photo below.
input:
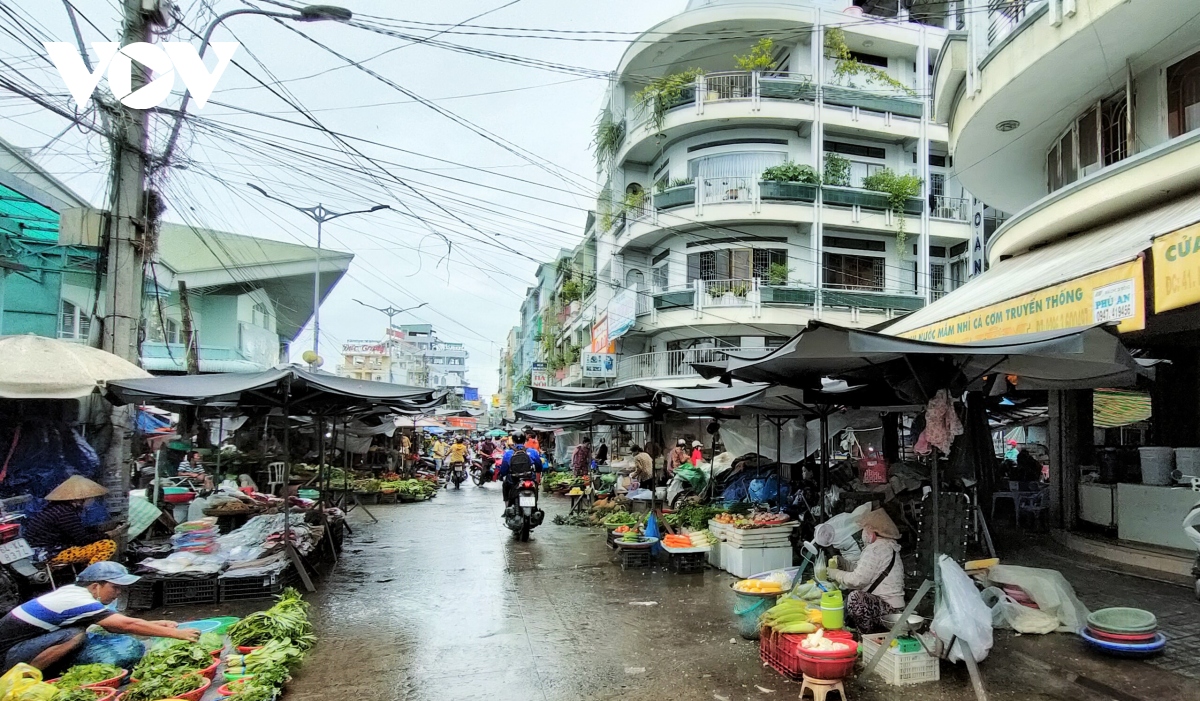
(820, 688)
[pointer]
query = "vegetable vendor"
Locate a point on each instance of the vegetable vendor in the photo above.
(58, 533)
(876, 583)
(48, 631)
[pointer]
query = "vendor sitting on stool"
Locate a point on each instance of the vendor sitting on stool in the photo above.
(48, 631)
(877, 583)
(58, 529)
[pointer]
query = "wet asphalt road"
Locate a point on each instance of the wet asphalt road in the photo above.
(437, 602)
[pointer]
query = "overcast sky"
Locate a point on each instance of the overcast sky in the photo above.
(383, 154)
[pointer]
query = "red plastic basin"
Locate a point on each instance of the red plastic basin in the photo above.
(195, 695)
(826, 667)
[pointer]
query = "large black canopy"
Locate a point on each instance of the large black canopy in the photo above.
(581, 417)
(298, 390)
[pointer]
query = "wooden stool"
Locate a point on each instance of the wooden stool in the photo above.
(820, 688)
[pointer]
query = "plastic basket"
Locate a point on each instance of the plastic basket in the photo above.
(636, 557)
(143, 595)
(187, 591)
(688, 563)
(901, 668)
(748, 609)
(258, 587)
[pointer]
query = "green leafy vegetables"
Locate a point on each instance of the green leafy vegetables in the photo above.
(84, 674)
(176, 658)
(286, 620)
(75, 695)
(163, 688)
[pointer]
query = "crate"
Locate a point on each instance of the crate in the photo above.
(389, 498)
(901, 668)
(143, 595)
(183, 591)
(259, 587)
(780, 652)
(688, 563)
(632, 558)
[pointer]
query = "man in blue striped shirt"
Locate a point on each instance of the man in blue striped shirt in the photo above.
(50, 629)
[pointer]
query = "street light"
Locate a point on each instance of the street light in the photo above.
(309, 13)
(390, 310)
(320, 215)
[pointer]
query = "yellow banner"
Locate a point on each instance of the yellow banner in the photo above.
(1177, 269)
(1115, 294)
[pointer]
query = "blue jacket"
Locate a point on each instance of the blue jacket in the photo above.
(534, 457)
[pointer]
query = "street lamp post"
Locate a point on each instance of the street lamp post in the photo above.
(320, 215)
(309, 13)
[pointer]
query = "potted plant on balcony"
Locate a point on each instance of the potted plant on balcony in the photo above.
(777, 274)
(665, 93)
(901, 191)
(675, 193)
(608, 139)
(790, 181)
(572, 291)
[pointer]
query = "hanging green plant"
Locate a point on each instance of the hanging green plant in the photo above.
(664, 93)
(664, 184)
(607, 140)
(759, 58)
(847, 67)
(791, 172)
(899, 189)
(837, 170)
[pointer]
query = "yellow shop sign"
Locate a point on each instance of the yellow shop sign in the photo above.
(1177, 269)
(1115, 294)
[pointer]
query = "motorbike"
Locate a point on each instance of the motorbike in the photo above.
(458, 473)
(523, 514)
(480, 474)
(19, 576)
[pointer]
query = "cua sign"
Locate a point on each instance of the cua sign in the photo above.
(164, 61)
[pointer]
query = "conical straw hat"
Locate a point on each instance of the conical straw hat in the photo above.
(882, 524)
(76, 487)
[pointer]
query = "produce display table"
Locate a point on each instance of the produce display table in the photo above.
(687, 560)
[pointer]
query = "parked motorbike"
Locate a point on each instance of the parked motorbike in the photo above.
(523, 514)
(458, 473)
(19, 576)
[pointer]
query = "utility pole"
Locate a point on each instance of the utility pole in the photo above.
(192, 352)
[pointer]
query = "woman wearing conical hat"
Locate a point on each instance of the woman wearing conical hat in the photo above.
(876, 585)
(59, 531)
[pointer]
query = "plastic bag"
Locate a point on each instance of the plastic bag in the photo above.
(1053, 594)
(24, 683)
(1008, 613)
(961, 615)
(122, 651)
(840, 531)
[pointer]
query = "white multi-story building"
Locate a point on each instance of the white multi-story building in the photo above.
(420, 358)
(1082, 118)
(715, 252)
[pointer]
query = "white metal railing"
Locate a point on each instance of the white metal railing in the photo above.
(645, 303)
(736, 85)
(1004, 16)
(728, 293)
(728, 189)
(668, 364)
(956, 208)
(730, 85)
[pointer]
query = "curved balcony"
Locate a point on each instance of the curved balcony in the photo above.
(1040, 70)
(748, 199)
(670, 365)
(744, 98)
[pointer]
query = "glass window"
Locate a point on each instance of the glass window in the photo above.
(1114, 129)
(1089, 141)
(74, 323)
(1183, 96)
(764, 258)
(1053, 177)
(1066, 152)
(659, 277)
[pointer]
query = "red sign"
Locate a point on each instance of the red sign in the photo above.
(467, 422)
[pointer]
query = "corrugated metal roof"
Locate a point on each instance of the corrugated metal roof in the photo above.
(189, 249)
(1080, 255)
(22, 216)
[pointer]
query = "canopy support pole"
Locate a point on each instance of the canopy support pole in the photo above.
(220, 436)
(287, 498)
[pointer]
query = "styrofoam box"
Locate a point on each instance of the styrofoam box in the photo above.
(714, 555)
(743, 562)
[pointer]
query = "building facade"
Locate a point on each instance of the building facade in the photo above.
(366, 360)
(1082, 117)
(420, 358)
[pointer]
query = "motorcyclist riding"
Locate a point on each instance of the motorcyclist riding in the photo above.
(527, 460)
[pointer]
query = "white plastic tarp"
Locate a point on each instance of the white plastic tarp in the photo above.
(739, 434)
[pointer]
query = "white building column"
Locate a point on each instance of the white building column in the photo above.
(817, 144)
(924, 276)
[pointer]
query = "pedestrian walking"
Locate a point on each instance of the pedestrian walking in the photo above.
(581, 457)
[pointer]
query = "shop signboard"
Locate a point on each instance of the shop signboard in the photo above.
(600, 335)
(1177, 269)
(1111, 295)
(363, 348)
(599, 364)
(622, 312)
(539, 378)
(978, 240)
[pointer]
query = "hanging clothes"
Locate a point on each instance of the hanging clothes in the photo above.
(942, 425)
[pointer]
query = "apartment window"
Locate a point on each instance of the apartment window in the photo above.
(1183, 96)
(870, 59)
(261, 316)
(732, 264)
(937, 276)
(658, 277)
(764, 258)
(845, 271)
(73, 322)
(854, 244)
(1094, 139)
(774, 341)
(958, 273)
(1114, 129)
(729, 177)
(163, 330)
(847, 149)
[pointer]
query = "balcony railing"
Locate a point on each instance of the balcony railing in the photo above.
(750, 190)
(956, 208)
(670, 364)
(1005, 18)
(727, 189)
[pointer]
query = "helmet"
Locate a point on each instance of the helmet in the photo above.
(518, 437)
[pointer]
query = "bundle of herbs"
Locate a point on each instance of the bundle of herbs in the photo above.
(173, 659)
(286, 620)
(84, 674)
(75, 695)
(163, 688)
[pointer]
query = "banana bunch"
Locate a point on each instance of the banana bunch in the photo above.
(789, 616)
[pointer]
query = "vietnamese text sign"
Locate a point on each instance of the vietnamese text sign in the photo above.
(539, 378)
(363, 348)
(1177, 269)
(599, 364)
(1115, 294)
(622, 312)
(600, 335)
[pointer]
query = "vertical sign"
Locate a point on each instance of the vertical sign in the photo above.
(978, 242)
